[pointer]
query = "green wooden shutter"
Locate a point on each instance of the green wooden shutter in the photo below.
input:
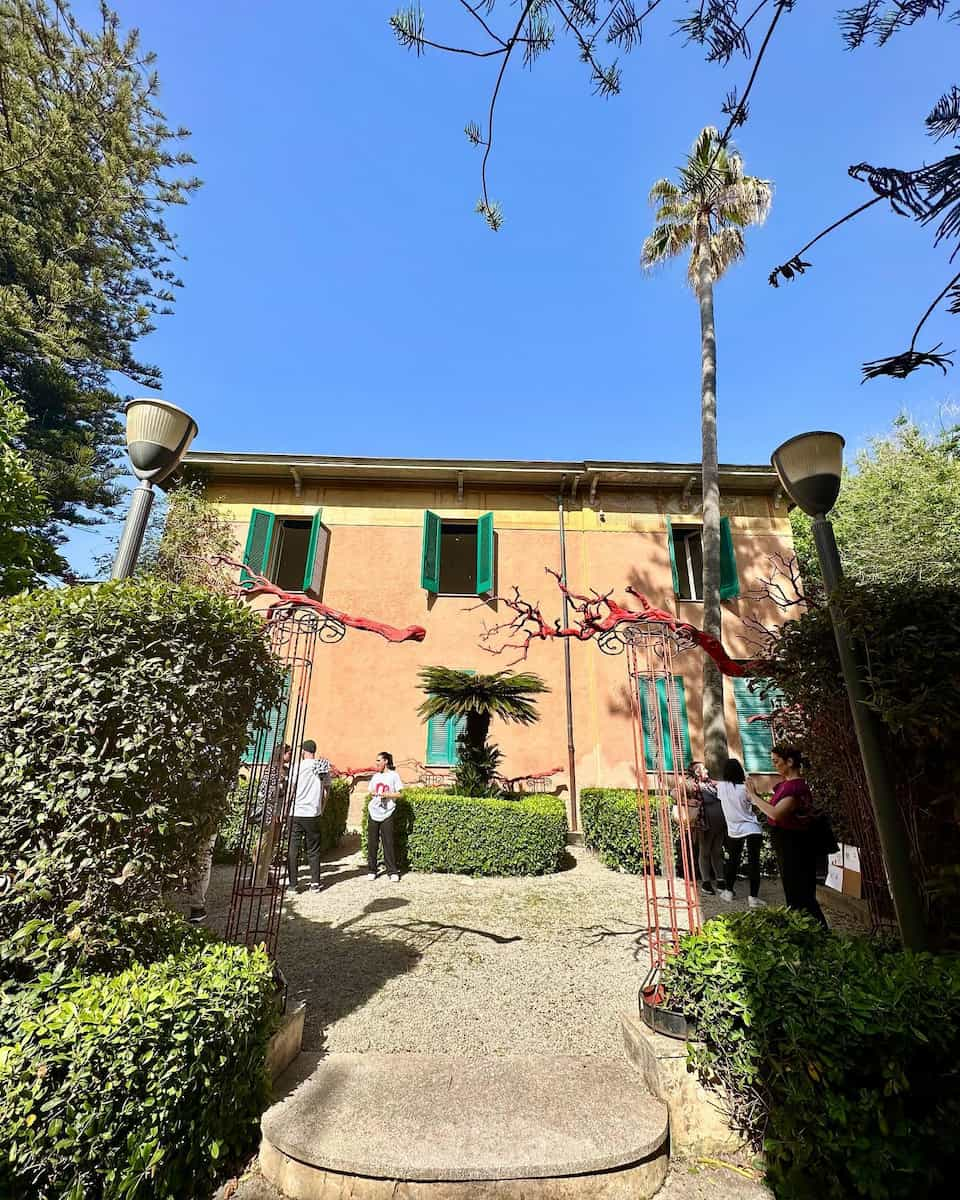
(756, 737)
(430, 566)
(673, 558)
(256, 554)
(267, 729)
(438, 742)
(316, 556)
(646, 715)
(485, 554)
(650, 751)
(729, 579)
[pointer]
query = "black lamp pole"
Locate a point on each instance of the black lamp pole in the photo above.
(812, 481)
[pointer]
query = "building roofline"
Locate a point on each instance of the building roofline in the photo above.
(221, 465)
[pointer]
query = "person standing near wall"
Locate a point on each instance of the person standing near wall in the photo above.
(743, 829)
(790, 813)
(309, 795)
(710, 825)
(384, 790)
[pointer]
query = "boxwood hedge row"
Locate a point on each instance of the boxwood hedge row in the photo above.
(468, 835)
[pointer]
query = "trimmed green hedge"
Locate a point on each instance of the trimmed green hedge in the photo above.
(838, 1055)
(611, 828)
(477, 836)
(137, 1084)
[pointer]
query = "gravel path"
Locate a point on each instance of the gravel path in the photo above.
(450, 964)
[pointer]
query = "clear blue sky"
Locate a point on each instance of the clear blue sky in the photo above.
(342, 297)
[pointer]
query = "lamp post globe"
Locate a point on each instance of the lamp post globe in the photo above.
(810, 467)
(158, 436)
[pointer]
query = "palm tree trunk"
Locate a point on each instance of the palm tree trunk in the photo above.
(714, 726)
(477, 730)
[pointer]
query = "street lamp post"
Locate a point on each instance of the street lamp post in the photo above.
(810, 468)
(158, 436)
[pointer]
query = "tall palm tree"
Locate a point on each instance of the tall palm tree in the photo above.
(705, 213)
(477, 699)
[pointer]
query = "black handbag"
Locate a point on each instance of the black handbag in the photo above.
(821, 831)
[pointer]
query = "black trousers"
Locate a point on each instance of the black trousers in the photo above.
(304, 829)
(381, 832)
(797, 860)
(753, 842)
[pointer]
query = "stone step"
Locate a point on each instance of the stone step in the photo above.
(367, 1126)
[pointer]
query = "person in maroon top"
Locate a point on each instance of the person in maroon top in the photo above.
(789, 813)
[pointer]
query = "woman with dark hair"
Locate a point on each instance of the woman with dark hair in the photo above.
(384, 790)
(790, 812)
(743, 829)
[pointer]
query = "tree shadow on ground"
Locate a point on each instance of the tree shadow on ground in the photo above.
(337, 968)
(429, 933)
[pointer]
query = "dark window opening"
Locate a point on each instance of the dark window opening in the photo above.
(688, 553)
(291, 550)
(458, 558)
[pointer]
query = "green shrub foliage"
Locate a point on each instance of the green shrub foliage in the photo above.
(137, 1084)
(470, 835)
(837, 1055)
(611, 828)
(124, 710)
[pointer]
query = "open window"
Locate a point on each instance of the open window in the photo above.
(457, 555)
(685, 544)
(291, 551)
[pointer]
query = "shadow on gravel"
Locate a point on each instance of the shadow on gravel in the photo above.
(429, 933)
(336, 969)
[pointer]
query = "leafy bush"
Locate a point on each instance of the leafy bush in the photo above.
(837, 1055)
(135, 1084)
(333, 819)
(611, 828)
(123, 713)
(477, 836)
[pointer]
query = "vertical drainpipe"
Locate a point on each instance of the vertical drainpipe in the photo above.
(571, 748)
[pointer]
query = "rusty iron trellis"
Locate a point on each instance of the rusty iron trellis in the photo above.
(259, 880)
(672, 903)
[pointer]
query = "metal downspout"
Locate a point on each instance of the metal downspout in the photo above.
(571, 748)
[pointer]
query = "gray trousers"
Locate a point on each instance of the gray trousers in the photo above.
(199, 878)
(710, 848)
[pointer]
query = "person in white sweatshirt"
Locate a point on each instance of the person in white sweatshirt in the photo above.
(743, 829)
(309, 795)
(384, 790)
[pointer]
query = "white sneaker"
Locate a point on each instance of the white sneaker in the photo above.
(756, 902)
(394, 878)
(726, 896)
(372, 875)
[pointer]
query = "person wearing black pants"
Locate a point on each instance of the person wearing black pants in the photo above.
(384, 791)
(310, 790)
(743, 829)
(790, 812)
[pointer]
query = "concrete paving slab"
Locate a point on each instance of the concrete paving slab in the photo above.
(420, 1117)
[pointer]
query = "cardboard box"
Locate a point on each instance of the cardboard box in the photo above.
(852, 884)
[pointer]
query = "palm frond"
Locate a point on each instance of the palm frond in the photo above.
(454, 694)
(667, 241)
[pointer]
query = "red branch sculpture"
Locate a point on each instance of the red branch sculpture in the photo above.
(261, 586)
(598, 615)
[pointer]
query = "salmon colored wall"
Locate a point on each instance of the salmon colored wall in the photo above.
(365, 693)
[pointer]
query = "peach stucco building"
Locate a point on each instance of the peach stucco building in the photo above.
(429, 542)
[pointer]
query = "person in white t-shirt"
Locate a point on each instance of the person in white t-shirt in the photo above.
(384, 790)
(311, 783)
(743, 829)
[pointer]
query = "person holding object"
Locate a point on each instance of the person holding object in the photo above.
(790, 813)
(268, 811)
(309, 796)
(384, 790)
(706, 817)
(743, 829)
